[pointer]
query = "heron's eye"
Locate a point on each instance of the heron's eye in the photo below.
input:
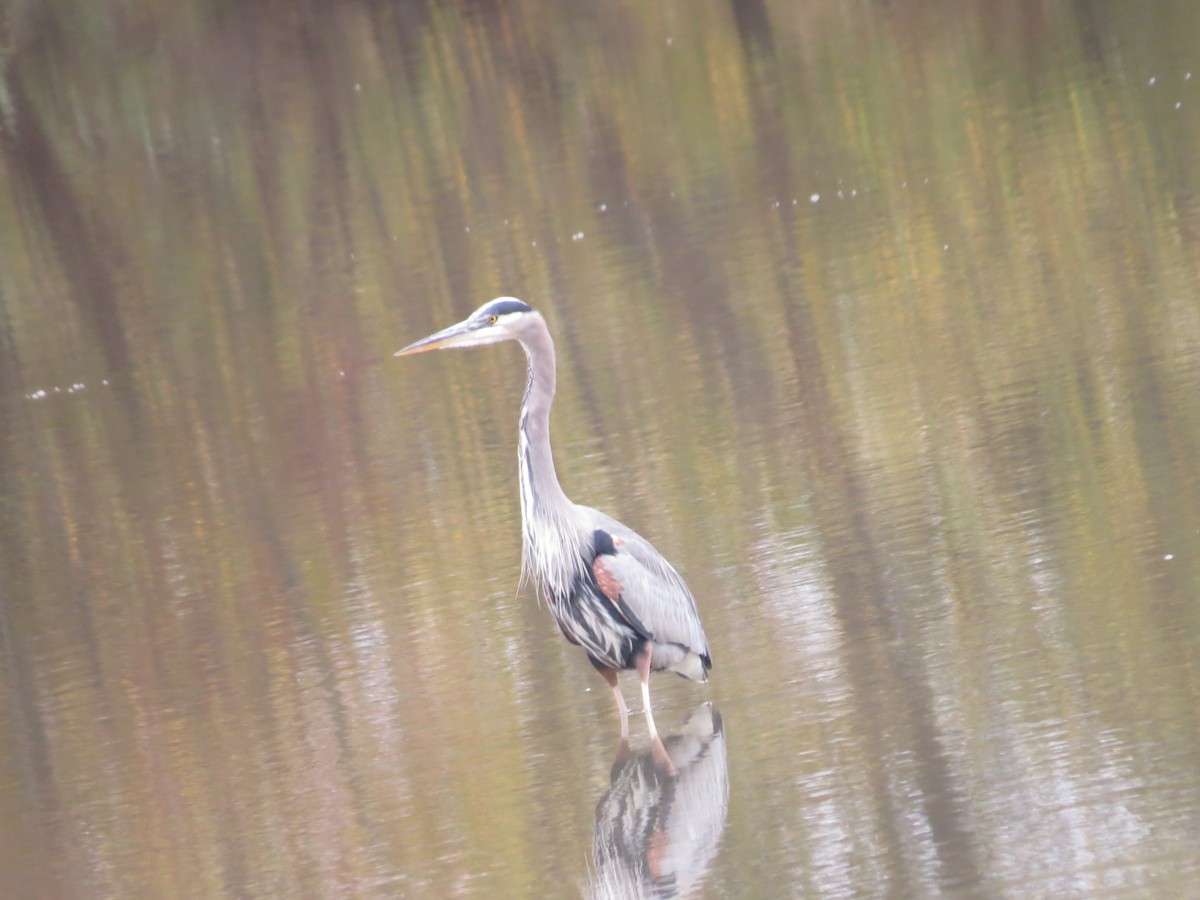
(493, 319)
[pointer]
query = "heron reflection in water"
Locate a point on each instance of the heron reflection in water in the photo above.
(610, 591)
(658, 828)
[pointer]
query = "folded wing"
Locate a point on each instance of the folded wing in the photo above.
(653, 598)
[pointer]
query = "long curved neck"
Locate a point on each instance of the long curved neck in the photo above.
(545, 508)
(538, 479)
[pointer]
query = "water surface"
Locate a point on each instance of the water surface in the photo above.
(879, 319)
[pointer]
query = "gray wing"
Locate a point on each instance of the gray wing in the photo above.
(652, 589)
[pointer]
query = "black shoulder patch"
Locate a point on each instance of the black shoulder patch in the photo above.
(602, 543)
(506, 306)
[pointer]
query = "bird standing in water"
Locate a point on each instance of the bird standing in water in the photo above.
(610, 591)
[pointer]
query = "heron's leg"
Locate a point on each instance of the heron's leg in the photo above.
(643, 670)
(662, 759)
(610, 676)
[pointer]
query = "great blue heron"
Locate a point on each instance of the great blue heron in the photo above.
(610, 591)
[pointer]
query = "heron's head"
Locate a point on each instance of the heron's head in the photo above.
(502, 319)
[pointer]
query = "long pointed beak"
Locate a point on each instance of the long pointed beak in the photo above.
(447, 337)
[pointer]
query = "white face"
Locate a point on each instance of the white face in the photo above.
(497, 320)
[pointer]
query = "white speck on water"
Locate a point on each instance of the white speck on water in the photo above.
(506, 221)
(854, 192)
(603, 207)
(533, 243)
(945, 247)
(776, 204)
(577, 236)
(1169, 556)
(104, 382)
(840, 195)
(357, 87)
(1187, 77)
(669, 40)
(467, 229)
(794, 201)
(1178, 104)
(1152, 81)
(815, 198)
(342, 373)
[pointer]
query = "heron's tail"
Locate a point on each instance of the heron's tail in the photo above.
(692, 666)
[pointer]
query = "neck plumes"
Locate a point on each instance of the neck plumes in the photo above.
(551, 554)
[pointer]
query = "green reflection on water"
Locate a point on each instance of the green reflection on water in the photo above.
(880, 322)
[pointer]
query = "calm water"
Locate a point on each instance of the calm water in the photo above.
(880, 319)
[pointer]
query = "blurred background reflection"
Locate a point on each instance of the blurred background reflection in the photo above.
(879, 319)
